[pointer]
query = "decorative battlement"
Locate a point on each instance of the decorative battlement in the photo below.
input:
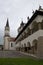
(40, 8)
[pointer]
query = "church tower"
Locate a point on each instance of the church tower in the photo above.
(6, 36)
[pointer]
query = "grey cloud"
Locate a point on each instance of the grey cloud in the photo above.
(15, 10)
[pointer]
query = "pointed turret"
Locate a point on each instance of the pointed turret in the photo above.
(7, 29)
(7, 24)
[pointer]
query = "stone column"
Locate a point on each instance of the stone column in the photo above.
(40, 47)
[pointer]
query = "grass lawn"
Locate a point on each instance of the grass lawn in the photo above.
(20, 61)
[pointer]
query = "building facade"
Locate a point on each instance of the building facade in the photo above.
(30, 38)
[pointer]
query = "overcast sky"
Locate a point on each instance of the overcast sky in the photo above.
(16, 11)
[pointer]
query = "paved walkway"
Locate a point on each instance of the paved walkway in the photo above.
(11, 54)
(14, 54)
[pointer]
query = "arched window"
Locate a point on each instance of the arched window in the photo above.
(25, 48)
(34, 26)
(24, 45)
(28, 31)
(29, 45)
(34, 44)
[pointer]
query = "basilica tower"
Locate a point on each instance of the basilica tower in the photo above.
(6, 36)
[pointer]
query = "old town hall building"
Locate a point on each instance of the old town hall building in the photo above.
(30, 37)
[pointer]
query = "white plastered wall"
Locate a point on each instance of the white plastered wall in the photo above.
(6, 43)
(30, 38)
(12, 48)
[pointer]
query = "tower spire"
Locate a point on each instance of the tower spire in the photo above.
(7, 24)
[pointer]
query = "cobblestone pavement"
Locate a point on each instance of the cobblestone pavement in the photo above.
(12, 54)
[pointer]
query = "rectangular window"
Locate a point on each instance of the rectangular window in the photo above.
(11, 44)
